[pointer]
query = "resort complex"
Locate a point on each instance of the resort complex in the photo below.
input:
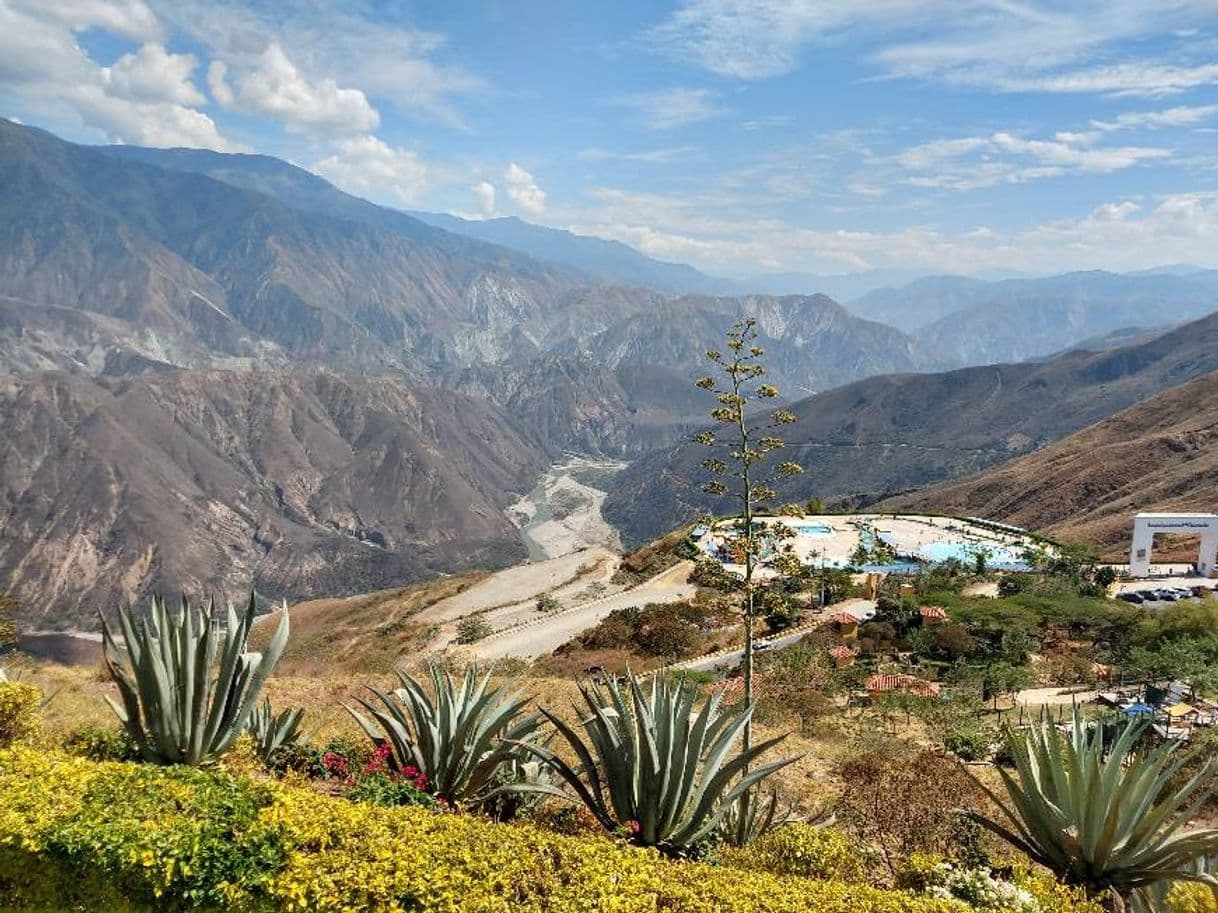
(877, 543)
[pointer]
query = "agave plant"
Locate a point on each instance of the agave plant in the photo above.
(459, 739)
(187, 685)
(272, 731)
(1102, 815)
(756, 813)
(654, 765)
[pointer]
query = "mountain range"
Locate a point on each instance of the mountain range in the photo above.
(220, 371)
(875, 438)
(1086, 487)
(961, 321)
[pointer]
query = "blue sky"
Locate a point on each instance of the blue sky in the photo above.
(741, 136)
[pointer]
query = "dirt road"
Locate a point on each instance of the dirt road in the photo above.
(524, 582)
(543, 634)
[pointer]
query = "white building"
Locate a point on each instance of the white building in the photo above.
(1147, 526)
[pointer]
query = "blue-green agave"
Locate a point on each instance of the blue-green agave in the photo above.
(465, 736)
(653, 764)
(187, 683)
(1103, 815)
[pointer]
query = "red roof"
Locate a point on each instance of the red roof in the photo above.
(905, 684)
(933, 612)
(841, 654)
(843, 618)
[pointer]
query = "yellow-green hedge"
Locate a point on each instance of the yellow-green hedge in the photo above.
(19, 703)
(801, 849)
(78, 834)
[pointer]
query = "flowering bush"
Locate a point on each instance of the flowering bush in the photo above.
(1024, 891)
(801, 849)
(78, 834)
(981, 889)
(19, 703)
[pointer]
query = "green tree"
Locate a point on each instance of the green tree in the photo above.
(739, 473)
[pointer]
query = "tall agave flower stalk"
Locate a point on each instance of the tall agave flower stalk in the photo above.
(1103, 816)
(187, 685)
(463, 739)
(272, 731)
(653, 764)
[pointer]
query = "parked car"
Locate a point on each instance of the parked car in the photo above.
(1165, 596)
(1135, 598)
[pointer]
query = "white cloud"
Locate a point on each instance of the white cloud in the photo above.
(678, 107)
(1180, 116)
(648, 156)
(523, 190)
(1121, 235)
(380, 54)
(1029, 46)
(217, 83)
(275, 87)
(484, 191)
(927, 155)
(370, 167)
(146, 97)
(153, 74)
(129, 18)
(969, 163)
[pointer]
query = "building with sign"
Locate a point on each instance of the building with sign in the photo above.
(1147, 526)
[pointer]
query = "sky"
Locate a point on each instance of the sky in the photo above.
(740, 136)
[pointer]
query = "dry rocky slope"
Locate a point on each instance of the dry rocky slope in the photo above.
(298, 484)
(1161, 454)
(886, 435)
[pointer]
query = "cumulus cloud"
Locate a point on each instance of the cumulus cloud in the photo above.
(275, 87)
(484, 191)
(679, 107)
(153, 74)
(146, 97)
(523, 190)
(362, 45)
(369, 166)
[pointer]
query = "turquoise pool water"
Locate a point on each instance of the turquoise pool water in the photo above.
(811, 529)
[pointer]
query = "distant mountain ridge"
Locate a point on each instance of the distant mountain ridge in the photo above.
(883, 436)
(1161, 454)
(965, 321)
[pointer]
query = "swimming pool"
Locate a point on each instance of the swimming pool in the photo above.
(810, 529)
(966, 552)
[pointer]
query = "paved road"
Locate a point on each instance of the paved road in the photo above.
(552, 631)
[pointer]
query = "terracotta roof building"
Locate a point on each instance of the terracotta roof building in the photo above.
(901, 684)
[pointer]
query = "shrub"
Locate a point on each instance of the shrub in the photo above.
(389, 789)
(903, 801)
(472, 629)
(99, 743)
(969, 740)
(19, 705)
(801, 849)
(546, 603)
(121, 837)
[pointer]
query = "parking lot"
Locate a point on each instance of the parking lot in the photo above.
(1154, 593)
